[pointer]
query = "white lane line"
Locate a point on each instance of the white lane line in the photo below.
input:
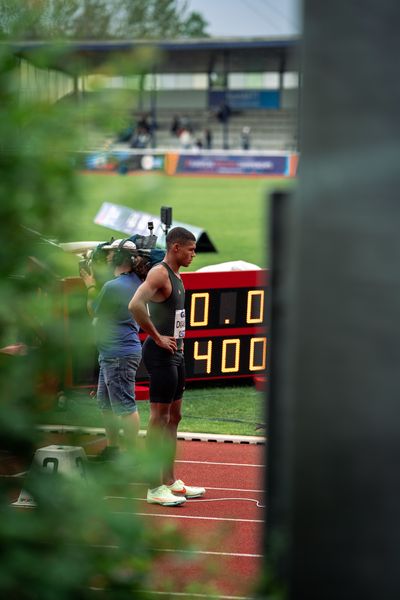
(257, 502)
(222, 489)
(235, 490)
(186, 551)
(183, 594)
(223, 464)
(169, 516)
(211, 553)
(192, 595)
(182, 435)
(192, 500)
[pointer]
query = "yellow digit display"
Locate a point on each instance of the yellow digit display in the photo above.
(251, 296)
(206, 356)
(225, 344)
(253, 364)
(204, 299)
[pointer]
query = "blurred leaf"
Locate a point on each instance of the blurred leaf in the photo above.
(74, 539)
(99, 19)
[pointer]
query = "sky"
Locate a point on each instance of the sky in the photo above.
(249, 18)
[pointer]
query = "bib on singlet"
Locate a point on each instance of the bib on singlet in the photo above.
(180, 324)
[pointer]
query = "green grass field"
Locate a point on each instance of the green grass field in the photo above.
(235, 410)
(234, 212)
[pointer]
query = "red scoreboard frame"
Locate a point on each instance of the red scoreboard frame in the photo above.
(226, 336)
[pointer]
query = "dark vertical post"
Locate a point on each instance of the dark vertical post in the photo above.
(336, 369)
(278, 414)
(225, 124)
(154, 110)
(282, 71)
(142, 78)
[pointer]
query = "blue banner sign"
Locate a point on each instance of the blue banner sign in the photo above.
(222, 164)
(244, 99)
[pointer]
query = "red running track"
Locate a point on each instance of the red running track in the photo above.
(224, 527)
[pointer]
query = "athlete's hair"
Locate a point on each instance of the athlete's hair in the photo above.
(179, 235)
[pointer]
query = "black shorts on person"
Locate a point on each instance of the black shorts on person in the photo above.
(166, 370)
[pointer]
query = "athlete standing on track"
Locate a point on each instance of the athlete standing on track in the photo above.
(159, 307)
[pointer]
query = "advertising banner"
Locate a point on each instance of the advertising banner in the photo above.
(244, 99)
(282, 164)
(122, 161)
(231, 164)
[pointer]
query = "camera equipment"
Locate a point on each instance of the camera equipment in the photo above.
(94, 258)
(145, 241)
(166, 217)
(99, 254)
(146, 249)
(95, 263)
(84, 265)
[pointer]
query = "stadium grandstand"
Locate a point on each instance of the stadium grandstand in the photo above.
(255, 80)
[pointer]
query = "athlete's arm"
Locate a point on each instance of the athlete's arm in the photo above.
(153, 288)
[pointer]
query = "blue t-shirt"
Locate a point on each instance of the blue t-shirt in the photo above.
(117, 333)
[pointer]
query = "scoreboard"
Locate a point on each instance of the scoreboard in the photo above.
(226, 333)
(226, 327)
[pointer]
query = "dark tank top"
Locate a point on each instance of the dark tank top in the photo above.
(169, 316)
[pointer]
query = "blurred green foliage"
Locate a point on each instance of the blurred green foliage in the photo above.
(72, 544)
(99, 19)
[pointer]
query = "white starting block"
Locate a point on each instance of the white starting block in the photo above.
(68, 460)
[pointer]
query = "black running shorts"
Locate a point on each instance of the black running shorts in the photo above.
(166, 370)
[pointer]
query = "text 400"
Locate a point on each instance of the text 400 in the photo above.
(258, 347)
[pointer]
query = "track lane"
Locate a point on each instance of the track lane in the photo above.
(223, 529)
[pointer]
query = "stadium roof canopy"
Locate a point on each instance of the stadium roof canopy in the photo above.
(178, 56)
